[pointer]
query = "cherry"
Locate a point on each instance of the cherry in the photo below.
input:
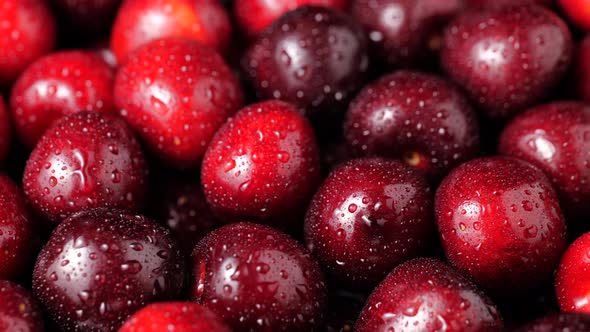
(506, 59)
(254, 16)
(176, 93)
(425, 294)
(405, 32)
(262, 165)
(5, 130)
(139, 22)
(258, 279)
(556, 138)
(499, 220)
(59, 84)
(506, 3)
(88, 16)
(100, 266)
(368, 216)
(313, 57)
(560, 322)
(572, 282)
(174, 316)
(577, 11)
(417, 117)
(85, 160)
(18, 310)
(27, 32)
(582, 69)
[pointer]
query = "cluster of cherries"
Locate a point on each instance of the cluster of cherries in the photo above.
(294, 165)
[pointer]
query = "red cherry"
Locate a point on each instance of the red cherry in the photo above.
(142, 21)
(560, 322)
(506, 59)
(100, 266)
(499, 220)
(174, 316)
(26, 33)
(582, 69)
(88, 16)
(85, 160)
(253, 16)
(59, 84)
(258, 279)
(578, 12)
(5, 130)
(572, 281)
(18, 310)
(368, 216)
(263, 165)
(416, 117)
(176, 93)
(556, 138)
(425, 294)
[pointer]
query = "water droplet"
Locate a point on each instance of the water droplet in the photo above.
(284, 156)
(136, 246)
(527, 206)
(116, 176)
(53, 181)
(352, 208)
(131, 267)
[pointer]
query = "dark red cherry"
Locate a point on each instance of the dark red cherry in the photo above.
(425, 294)
(572, 281)
(506, 59)
(258, 279)
(5, 130)
(582, 69)
(499, 220)
(416, 117)
(556, 138)
(313, 57)
(101, 266)
(564, 322)
(19, 312)
(86, 160)
(368, 216)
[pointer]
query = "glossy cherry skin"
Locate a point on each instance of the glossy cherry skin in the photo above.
(556, 138)
(5, 130)
(28, 31)
(564, 322)
(254, 16)
(174, 316)
(176, 93)
(404, 33)
(368, 216)
(577, 11)
(59, 84)
(572, 282)
(506, 59)
(268, 281)
(88, 16)
(100, 266)
(425, 294)
(314, 57)
(18, 309)
(416, 117)
(582, 69)
(499, 220)
(262, 165)
(139, 22)
(86, 160)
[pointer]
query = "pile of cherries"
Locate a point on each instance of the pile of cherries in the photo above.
(294, 165)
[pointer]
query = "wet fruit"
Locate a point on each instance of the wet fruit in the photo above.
(18, 310)
(572, 283)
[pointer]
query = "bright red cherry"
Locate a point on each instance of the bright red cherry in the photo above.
(499, 220)
(101, 266)
(88, 16)
(59, 84)
(86, 160)
(262, 165)
(174, 316)
(572, 281)
(18, 310)
(176, 93)
(416, 117)
(258, 279)
(425, 294)
(5, 130)
(368, 216)
(506, 59)
(556, 138)
(253, 16)
(139, 22)
(563, 322)
(577, 11)
(27, 31)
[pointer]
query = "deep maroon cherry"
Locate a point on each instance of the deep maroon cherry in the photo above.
(262, 165)
(19, 312)
(506, 59)
(564, 322)
(405, 32)
(258, 279)
(556, 138)
(368, 216)
(86, 160)
(416, 117)
(499, 220)
(5, 130)
(100, 266)
(582, 69)
(313, 57)
(425, 294)
(572, 281)
(59, 84)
